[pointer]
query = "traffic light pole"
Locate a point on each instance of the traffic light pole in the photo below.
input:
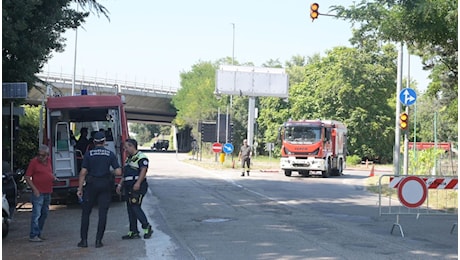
(406, 148)
(396, 151)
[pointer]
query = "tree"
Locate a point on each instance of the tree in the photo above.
(32, 31)
(429, 28)
(352, 85)
(195, 100)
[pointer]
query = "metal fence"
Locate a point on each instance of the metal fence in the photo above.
(418, 195)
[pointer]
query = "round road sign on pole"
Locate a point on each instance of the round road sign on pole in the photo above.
(228, 148)
(217, 147)
(412, 191)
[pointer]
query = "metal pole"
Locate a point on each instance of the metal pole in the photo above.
(74, 60)
(396, 151)
(406, 148)
(435, 130)
(414, 150)
(11, 135)
(406, 133)
(251, 112)
(226, 126)
(233, 60)
(218, 130)
(218, 124)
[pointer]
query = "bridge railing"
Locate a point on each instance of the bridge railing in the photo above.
(97, 83)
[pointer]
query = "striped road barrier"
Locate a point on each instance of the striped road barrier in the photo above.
(418, 195)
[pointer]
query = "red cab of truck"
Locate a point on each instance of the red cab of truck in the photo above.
(313, 146)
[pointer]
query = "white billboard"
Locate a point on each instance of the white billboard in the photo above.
(252, 81)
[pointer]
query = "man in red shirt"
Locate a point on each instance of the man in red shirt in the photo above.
(39, 176)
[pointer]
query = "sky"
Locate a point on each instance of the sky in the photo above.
(152, 41)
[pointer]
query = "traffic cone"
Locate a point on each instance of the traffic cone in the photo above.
(372, 172)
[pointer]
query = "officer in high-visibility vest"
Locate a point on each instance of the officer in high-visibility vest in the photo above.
(134, 184)
(99, 182)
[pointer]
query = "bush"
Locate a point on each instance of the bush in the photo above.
(353, 160)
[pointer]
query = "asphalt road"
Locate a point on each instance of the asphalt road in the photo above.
(216, 214)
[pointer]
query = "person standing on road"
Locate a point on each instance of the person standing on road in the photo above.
(245, 157)
(39, 176)
(135, 187)
(99, 181)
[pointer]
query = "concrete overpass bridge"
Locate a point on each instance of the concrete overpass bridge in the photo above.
(144, 102)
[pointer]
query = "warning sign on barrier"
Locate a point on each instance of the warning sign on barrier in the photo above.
(412, 191)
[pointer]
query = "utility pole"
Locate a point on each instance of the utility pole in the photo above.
(396, 151)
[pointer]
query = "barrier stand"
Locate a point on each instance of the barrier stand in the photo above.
(397, 224)
(453, 228)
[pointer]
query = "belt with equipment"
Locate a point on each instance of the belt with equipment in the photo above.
(131, 178)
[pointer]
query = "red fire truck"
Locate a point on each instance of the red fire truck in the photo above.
(313, 145)
(67, 115)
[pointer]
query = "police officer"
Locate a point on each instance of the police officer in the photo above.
(99, 181)
(135, 186)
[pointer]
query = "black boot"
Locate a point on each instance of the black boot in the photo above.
(82, 243)
(99, 244)
(242, 174)
(247, 173)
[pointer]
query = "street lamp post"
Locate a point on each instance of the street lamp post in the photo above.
(74, 60)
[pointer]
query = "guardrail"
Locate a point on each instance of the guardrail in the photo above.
(107, 84)
(418, 195)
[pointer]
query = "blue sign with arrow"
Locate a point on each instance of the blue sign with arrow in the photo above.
(228, 148)
(407, 96)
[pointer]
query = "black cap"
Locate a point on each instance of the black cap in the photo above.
(99, 137)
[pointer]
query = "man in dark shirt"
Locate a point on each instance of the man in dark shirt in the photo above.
(95, 171)
(83, 141)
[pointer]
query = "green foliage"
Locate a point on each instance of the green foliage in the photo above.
(349, 85)
(145, 132)
(353, 160)
(430, 29)
(422, 162)
(27, 146)
(195, 100)
(32, 31)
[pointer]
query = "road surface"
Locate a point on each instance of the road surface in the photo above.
(202, 213)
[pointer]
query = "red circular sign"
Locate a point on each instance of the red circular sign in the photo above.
(217, 147)
(412, 191)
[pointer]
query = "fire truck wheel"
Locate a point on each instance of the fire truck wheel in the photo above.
(328, 171)
(288, 173)
(340, 167)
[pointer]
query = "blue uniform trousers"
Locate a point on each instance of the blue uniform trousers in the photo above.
(98, 190)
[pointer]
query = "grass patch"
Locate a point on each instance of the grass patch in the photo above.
(258, 163)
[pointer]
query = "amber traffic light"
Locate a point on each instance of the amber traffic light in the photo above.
(403, 121)
(314, 11)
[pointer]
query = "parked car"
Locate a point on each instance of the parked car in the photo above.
(160, 145)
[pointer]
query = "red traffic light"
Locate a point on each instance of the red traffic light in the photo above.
(314, 13)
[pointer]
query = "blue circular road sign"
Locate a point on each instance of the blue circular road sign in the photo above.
(228, 148)
(407, 96)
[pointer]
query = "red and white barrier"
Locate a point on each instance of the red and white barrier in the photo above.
(447, 183)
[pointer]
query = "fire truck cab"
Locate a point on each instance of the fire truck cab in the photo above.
(65, 116)
(313, 145)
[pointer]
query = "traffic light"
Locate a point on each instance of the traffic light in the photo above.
(403, 121)
(314, 11)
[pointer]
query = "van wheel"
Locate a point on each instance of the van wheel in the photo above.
(288, 173)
